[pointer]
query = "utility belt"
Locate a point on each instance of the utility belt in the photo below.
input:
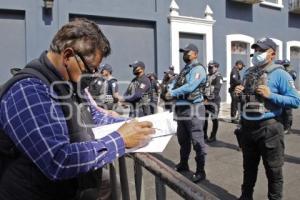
(145, 99)
(191, 96)
(258, 123)
(252, 105)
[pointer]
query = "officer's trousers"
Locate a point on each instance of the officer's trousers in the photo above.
(266, 142)
(287, 118)
(212, 110)
(190, 119)
(234, 105)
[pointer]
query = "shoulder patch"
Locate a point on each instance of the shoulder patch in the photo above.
(292, 84)
(197, 76)
(114, 84)
(142, 86)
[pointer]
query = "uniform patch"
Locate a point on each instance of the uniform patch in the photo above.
(197, 76)
(292, 84)
(233, 76)
(221, 81)
(142, 86)
(114, 85)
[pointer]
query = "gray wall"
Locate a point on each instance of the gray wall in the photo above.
(142, 23)
(12, 41)
(198, 40)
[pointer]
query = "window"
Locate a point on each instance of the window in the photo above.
(239, 48)
(295, 52)
(273, 3)
(295, 63)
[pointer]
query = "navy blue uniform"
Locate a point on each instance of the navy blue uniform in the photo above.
(287, 113)
(262, 135)
(154, 95)
(190, 113)
(212, 105)
(137, 95)
(235, 80)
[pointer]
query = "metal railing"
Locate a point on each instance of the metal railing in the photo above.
(164, 176)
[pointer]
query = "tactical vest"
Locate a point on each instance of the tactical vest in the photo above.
(33, 184)
(165, 86)
(154, 90)
(142, 106)
(210, 87)
(131, 89)
(181, 80)
(109, 93)
(102, 92)
(254, 104)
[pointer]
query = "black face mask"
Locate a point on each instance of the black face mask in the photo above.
(86, 80)
(186, 58)
(137, 72)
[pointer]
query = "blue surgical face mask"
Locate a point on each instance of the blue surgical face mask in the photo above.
(259, 58)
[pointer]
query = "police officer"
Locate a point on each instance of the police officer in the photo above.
(154, 92)
(287, 113)
(212, 99)
(235, 79)
(266, 88)
(104, 88)
(137, 93)
(168, 79)
(112, 90)
(190, 111)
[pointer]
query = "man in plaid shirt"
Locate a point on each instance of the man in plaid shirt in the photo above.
(49, 150)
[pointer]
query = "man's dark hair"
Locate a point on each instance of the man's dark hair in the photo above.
(83, 36)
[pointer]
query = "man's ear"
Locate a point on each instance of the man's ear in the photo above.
(67, 54)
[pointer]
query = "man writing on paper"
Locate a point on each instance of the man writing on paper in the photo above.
(48, 150)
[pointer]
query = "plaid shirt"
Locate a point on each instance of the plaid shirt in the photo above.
(37, 126)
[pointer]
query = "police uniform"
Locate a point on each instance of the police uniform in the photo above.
(102, 89)
(287, 113)
(166, 85)
(235, 79)
(212, 96)
(261, 132)
(137, 93)
(154, 93)
(189, 113)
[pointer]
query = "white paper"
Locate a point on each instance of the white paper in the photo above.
(163, 123)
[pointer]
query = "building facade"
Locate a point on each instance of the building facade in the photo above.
(153, 31)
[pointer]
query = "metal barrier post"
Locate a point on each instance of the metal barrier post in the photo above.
(113, 182)
(124, 178)
(138, 178)
(160, 189)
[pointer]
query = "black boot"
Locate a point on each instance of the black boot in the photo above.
(243, 197)
(212, 138)
(182, 167)
(200, 174)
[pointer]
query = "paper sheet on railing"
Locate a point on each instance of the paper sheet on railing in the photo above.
(163, 123)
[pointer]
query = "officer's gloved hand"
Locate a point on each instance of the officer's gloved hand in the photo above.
(168, 96)
(239, 89)
(136, 134)
(263, 91)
